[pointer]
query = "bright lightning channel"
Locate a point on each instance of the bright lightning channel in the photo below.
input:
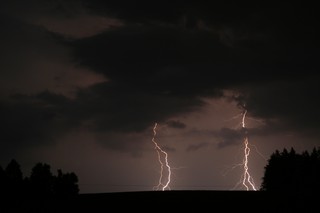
(162, 184)
(247, 178)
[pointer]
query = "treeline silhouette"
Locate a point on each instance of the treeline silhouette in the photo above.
(289, 171)
(41, 183)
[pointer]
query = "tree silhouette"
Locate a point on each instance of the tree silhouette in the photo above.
(41, 183)
(2, 173)
(2, 181)
(289, 171)
(13, 178)
(41, 180)
(66, 184)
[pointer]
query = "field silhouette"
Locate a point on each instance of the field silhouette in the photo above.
(167, 201)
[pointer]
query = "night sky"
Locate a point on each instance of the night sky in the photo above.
(82, 84)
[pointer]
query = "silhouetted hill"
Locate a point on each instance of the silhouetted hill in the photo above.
(149, 201)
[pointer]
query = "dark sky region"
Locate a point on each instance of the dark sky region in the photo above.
(82, 84)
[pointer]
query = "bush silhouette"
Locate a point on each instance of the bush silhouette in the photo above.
(289, 171)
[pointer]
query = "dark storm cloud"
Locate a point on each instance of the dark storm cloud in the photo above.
(29, 120)
(161, 63)
(35, 120)
(138, 11)
(267, 46)
(173, 11)
(176, 124)
(123, 108)
(33, 9)
(20, 40)
(287, 105)
(158, 59)
(196, 147)
(235, 48)
(233, 137)
(229, 137)
(32, 59)
(68, 18)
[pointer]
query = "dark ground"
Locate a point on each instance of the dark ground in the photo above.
(168, 201)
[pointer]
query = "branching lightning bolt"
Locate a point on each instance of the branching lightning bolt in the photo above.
(247, 178)
(161, 153)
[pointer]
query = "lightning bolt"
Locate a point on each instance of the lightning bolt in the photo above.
(246, 177)
(161, 153)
